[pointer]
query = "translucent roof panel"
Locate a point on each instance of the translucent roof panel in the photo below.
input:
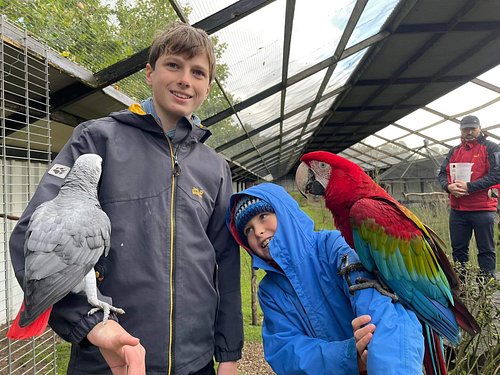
(238, 148)
(323, 106)
(254, 69)
(390, 160)
(373, 17)
(269, 147)
(273, 131)
(492, 76)
(350, 152)
(316, 31)
(248, 155)
(373, 153)
(292, 135)
(364, 157)
(444, 130)
(419, 119)
(462, 100)
(262, 112)
(295, 120)
(373, 141)
(200, 9)
(489, 116)
(343, 71)
(303, 92)
(312, 126)
(391, 132)
(495, 132)
(412, 141)
(224, 132)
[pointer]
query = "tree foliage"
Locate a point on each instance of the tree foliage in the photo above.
(99, 33)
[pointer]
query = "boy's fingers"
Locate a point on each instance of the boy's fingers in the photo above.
(362, 332)
(127, 339)
(360, 321)
(363, 342)
(135, 359)
(364, 356)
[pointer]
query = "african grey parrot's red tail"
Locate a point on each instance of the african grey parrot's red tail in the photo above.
(16, 332)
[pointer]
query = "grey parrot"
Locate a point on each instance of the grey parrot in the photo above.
(65, 238)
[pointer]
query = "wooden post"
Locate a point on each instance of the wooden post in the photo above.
(255, 313)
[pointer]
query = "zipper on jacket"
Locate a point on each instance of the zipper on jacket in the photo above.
(176, 170)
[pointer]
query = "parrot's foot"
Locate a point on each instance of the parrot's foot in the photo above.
(346, 268)
(106, 308)
(363, 283)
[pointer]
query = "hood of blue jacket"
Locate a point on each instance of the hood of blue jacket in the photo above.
(295, 232)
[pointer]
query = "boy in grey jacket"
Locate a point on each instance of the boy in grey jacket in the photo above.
(173, 266)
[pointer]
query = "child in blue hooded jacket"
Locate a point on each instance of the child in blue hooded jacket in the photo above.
(307, 306)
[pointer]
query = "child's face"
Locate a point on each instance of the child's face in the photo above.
(180, 85)
(259, 231)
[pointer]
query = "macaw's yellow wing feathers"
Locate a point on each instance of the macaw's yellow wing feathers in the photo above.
(404, 256)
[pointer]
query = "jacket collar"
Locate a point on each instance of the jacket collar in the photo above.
(480, 139)
(136, 116)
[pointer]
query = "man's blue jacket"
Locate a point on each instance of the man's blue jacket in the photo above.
(308, 308)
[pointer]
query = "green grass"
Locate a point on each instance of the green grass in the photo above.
(63, 351)
(315, 208)
(252, 332)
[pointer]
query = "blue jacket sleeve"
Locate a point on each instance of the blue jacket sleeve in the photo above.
(290, 351)
(397, 346)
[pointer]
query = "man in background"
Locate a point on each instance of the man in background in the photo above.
(472, 208)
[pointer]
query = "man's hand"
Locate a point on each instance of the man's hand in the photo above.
(227, 368)
(363, 333)
(122, 352)
(458, 188)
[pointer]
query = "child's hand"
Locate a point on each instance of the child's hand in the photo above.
(363, 333)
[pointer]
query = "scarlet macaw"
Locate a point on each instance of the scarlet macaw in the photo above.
(393, 243)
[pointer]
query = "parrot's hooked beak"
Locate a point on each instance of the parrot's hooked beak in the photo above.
(306, 181)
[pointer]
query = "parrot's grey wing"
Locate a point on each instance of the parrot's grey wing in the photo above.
(64, 241)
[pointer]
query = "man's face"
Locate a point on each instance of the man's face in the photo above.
(259, 232)
(180, 85)
(470, 134)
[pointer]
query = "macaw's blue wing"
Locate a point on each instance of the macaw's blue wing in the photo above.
(392, 242)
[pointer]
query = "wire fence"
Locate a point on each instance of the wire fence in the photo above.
(24, 156)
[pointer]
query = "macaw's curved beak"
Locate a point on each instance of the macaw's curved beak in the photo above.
(306, 181)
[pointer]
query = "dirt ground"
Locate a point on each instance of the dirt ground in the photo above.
(253, 362)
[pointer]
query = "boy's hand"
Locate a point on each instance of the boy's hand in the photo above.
(227, 368)
(122, 352)
(363, 333)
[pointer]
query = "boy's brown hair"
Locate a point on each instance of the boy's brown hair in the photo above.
(183, 39)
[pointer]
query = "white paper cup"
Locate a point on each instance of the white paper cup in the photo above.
(460, 171)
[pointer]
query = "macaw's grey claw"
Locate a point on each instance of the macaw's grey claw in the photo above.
(362, 283)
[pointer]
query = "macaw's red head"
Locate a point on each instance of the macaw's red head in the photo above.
(334, 177)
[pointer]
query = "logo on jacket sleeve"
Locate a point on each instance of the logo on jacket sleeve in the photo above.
(197, 191)
(59, 170)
